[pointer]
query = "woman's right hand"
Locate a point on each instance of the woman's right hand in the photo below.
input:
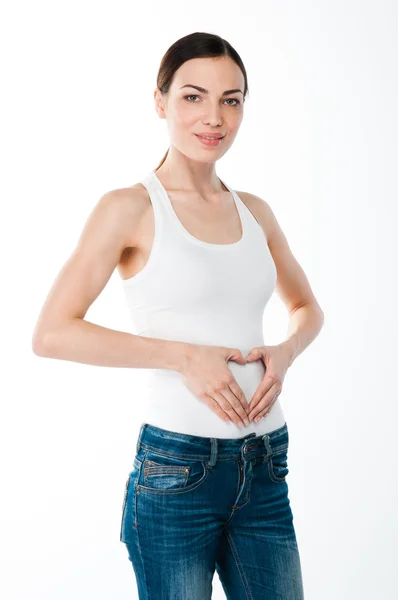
(206, 373)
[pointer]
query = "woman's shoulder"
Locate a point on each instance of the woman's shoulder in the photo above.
(126, 207)
(129, 202)
(260, 209)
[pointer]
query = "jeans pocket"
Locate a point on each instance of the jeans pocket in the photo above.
(277, 465)
(166, 474)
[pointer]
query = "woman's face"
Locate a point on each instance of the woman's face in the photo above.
(190, 111)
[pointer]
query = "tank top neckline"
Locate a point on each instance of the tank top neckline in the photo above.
(185, 232)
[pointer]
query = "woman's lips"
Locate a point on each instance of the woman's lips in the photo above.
(209, 142)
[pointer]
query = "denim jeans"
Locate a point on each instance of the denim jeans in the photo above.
(194, 504)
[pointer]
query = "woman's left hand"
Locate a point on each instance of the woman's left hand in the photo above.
(277, 362)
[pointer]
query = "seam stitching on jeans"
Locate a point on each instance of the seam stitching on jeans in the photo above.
(239, 564)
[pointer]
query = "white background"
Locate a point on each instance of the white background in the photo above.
(319, 142)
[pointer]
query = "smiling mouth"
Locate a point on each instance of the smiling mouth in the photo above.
(210, 137)
(210, 141)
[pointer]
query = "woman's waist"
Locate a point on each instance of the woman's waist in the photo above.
(171, 383)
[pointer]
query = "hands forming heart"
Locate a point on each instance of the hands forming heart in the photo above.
(206, 373)
(277, 361)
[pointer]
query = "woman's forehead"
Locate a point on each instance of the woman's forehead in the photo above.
(211, 74)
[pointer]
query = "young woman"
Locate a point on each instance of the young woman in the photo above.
(199, 262)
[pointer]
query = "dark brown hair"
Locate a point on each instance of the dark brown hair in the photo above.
(194, 45)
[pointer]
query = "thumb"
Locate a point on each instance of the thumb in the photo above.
(253, 354)
(237, 356)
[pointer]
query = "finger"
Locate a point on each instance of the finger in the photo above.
(254, 354)
(239, 403)
(231, 405)
(216, 408)
(239, 358)
(238, 392)
(264, 404)
(236, 355)
(264, 408)
(264, 387)
(265, 412)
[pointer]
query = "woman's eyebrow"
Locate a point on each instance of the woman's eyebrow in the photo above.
(204, 91)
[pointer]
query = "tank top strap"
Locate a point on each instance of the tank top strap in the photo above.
(248, 219)
(240, 205)
(159, 213)
(149, 182)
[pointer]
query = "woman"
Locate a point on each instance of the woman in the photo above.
(199, 262)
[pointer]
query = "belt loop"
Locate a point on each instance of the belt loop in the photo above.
(213, 453)
(267, 444)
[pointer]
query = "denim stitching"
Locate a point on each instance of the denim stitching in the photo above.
(238, 564)
(138, 538)
(127, 484)
(271, 472)
(178, 490)
(137, 491)
(162, 452)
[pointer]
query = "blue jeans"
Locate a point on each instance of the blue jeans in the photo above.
(194, 504)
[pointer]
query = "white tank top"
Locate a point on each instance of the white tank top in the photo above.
(202, 293)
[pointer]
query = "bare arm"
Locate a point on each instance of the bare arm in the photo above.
(61, 331)
(306, 317)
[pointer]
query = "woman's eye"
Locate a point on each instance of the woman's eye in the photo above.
(227, 100)
(235, 100)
